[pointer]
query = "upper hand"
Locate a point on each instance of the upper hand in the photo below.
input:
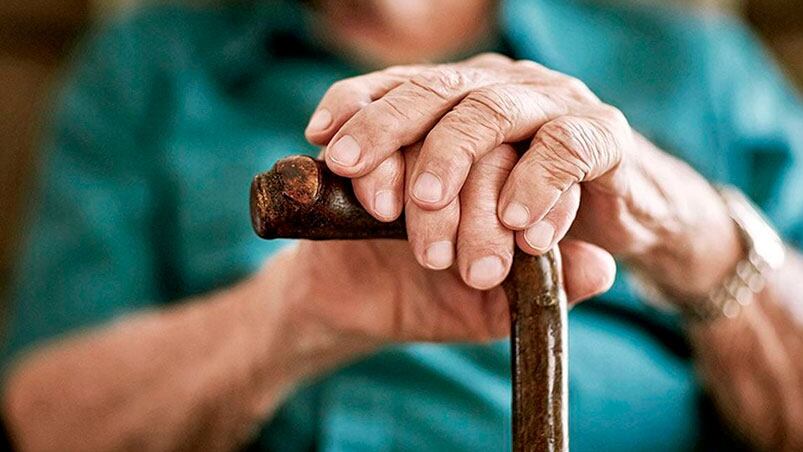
(463, 186)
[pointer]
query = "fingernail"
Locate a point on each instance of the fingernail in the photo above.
(428, 188)
(516, 215)
(346, 151)
(439, 255)
(384, 203)
(486, 271)
(319, 121)
(540, 236)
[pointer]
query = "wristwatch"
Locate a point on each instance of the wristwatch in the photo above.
(764, 251)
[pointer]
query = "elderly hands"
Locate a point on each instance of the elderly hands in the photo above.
(467, 194)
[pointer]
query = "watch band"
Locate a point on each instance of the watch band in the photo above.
(735, 293)
(764, 251)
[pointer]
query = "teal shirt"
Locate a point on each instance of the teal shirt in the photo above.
(168, 114)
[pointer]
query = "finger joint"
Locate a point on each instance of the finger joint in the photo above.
(443, 82)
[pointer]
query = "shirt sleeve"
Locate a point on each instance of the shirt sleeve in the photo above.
(88, 255)
(763, 127)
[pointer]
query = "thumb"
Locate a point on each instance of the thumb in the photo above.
(588, 270)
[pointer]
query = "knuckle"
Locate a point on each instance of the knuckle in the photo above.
(530, 65)
(614, 127)
(561, 173)
(491, 108)
(568, 151)
(616, 117)
(568, 137)
(579, 88)
(444, 82)
(480, 121)
(561, 135)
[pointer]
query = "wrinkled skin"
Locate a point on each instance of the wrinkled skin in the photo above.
(402, 302)
(434, 139)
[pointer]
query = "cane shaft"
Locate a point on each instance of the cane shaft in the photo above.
(538, 353)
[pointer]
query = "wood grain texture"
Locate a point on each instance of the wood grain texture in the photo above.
(539, 352)
(301, 198)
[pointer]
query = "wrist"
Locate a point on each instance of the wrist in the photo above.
(690, 262)
(303, 342)
(268, 312)
(693, 244)
(251, 317)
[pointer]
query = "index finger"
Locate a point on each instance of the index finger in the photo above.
(348, 96)
(400, 118)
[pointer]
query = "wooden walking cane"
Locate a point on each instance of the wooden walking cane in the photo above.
(300, 198)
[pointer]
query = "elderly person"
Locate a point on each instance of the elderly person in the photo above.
(149, 317)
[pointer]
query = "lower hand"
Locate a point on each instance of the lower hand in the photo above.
(352, 296)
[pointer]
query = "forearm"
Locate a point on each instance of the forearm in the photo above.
(204, 373)
(753, 364)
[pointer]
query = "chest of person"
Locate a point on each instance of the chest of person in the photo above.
(216, 139)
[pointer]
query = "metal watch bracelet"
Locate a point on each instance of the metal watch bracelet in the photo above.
(764, 252)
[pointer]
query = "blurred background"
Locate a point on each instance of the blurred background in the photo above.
(36, 37)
